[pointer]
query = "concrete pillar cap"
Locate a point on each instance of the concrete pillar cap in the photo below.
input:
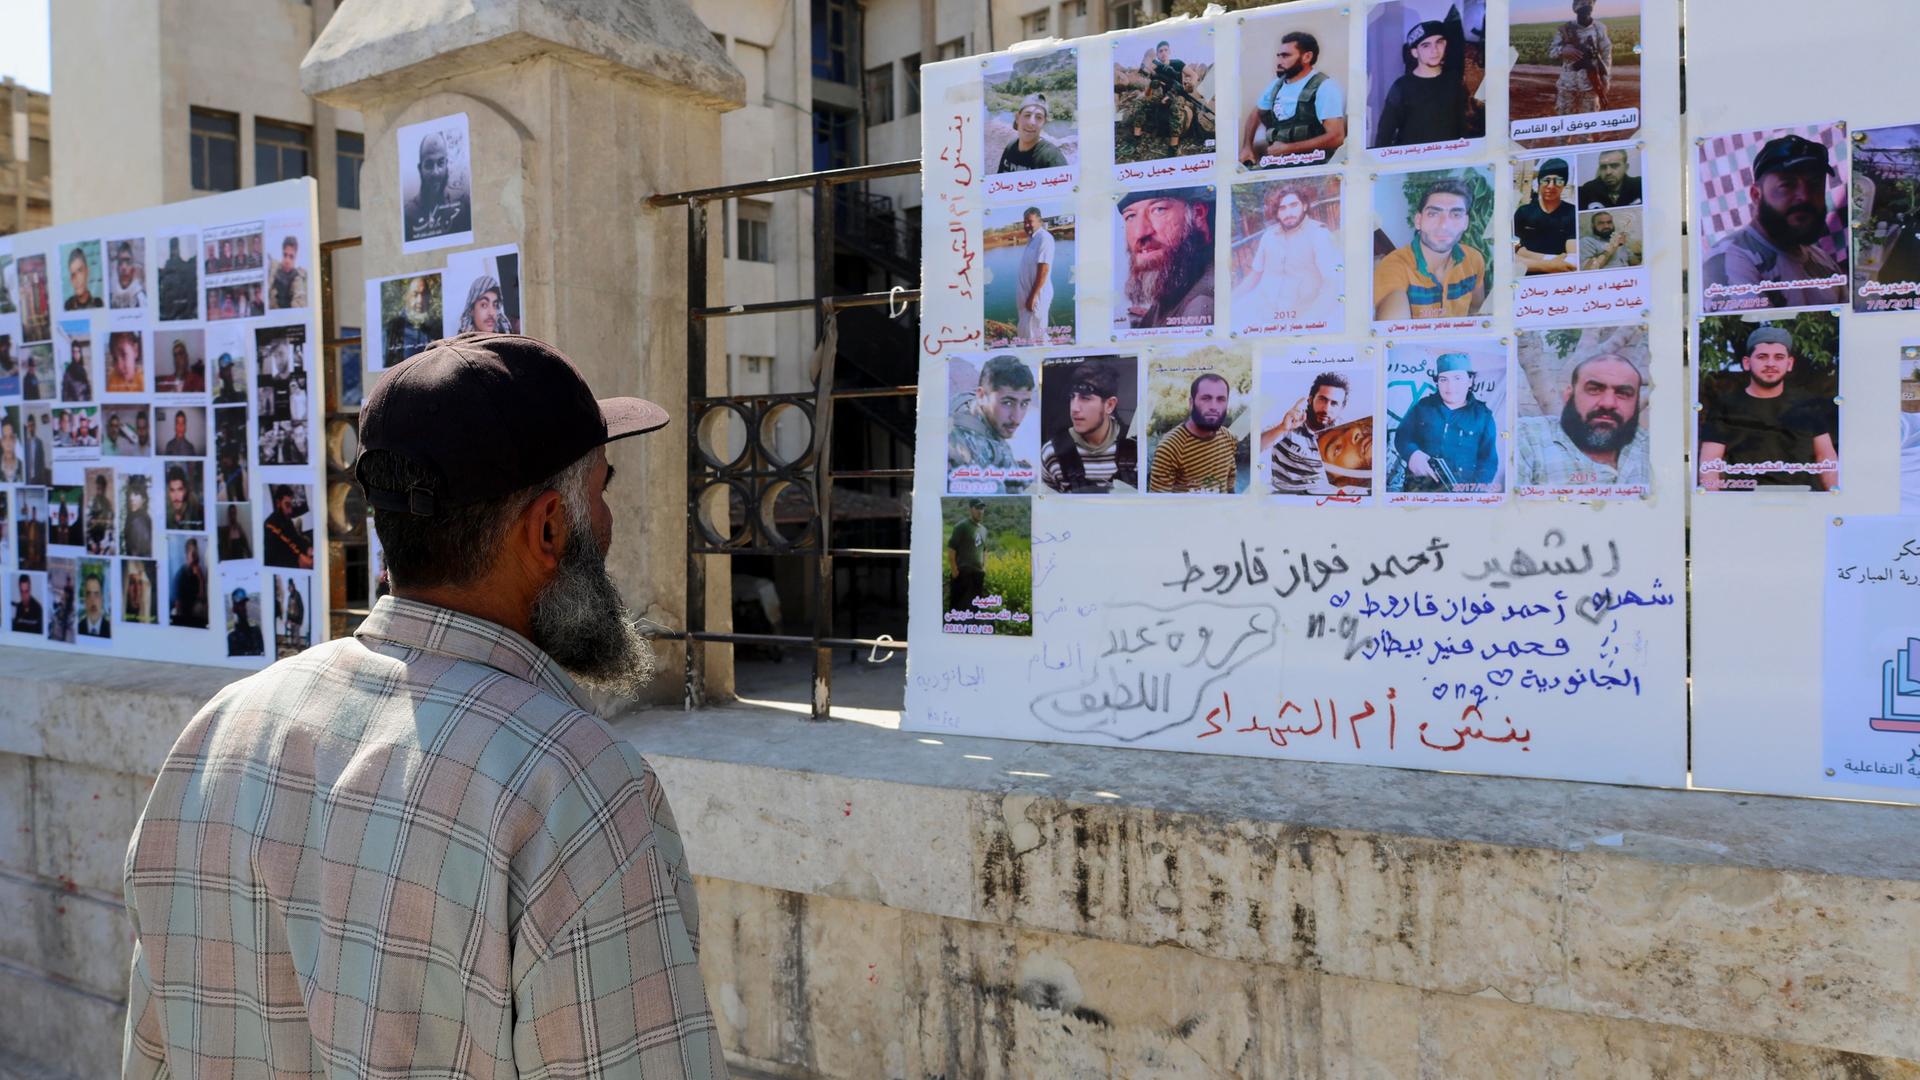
(371, 50)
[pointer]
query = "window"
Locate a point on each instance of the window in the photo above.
(756, 240)
(1033, 26)
(834, 35)
(349, 153)
(280, 151)
(910, 75)
(951, 49)
(833, 141)
(879, 86)
(1126, 14)
(216, 150)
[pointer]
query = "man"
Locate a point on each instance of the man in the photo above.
(33, 541)
(1437, 276)
(984, 419)
(1597, 438)
(1606, 247)
(66, 528)
(1093, 452)
(179, 281)
(1766, 422)
(27, 612)
(180, 445)
(244, 639)
(137, 592)
(129, 284)
(484, 312)
(142, 432)
(1198, 456)
(80, 281)
(967, 559)
(230, 472)
(1301, 112)
(1611, 187)
(1585, 51)
(433, 210)
(417, 324)
(1030, 148)
(100, 533)
(1169, 238)
(1544, 230)
(76, 382)
(1034, 289)
(1427, 104)
(136, 532)
(1292, 275)
(39, 464)
(93, 607)
(565, 937)
(188, 599)
(1449, 440)
(294, 623)
(183, 502)
(287, 543)
(235, 542)
(1297, 465)
(188, 377)
(1780, 244)
(289, 286)
(12, 469)
(230, 391)
(1165, 102)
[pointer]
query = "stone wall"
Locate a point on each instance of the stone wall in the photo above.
(881, 905)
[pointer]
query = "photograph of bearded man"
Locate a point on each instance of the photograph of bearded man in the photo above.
(411, 316)
(436, 184)
(1583, 408)
(1164, 275)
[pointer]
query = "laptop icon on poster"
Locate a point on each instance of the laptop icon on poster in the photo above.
(1899, 692)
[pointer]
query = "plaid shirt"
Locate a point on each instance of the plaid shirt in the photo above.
(414, 853)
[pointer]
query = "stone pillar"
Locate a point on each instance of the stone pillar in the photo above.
(577, 111)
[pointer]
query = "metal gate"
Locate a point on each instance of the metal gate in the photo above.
(758, 478)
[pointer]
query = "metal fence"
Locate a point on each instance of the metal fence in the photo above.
(746, 503)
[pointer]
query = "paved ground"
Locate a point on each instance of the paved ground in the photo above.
(868, 692)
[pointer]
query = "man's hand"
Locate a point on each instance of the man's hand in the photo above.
(1419, 464)
(1246, 157)
(1295, 417)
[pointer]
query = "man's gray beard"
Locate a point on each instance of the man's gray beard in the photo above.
(1185, 266)
(580, 621)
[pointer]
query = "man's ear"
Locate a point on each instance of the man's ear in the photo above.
(542, 531)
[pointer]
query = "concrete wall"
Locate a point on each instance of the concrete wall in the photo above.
(109, 119)
(883, 905)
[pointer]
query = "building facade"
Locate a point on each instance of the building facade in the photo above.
(26, 159)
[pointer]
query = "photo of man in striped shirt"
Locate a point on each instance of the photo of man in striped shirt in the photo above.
(1091, 451)
(1297, 466)
(1198, 456)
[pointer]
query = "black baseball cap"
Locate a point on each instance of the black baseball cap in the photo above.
(1425, 30)
(1790, 152)
(488, 414)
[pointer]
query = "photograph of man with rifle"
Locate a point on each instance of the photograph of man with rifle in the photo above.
(1164, 107)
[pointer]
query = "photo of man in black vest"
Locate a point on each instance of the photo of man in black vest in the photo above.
(1301, 117)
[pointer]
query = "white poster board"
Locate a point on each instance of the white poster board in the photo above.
(166, 504)
(1763, 599)
(1536, 637)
